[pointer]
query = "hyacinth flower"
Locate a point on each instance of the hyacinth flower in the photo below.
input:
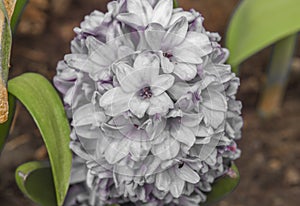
(151, 104)
(142, 89)
(180, 51)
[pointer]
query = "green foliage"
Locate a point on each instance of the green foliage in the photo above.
(175, 4)
(5, 44)
(5, 127)
(36, 181)
(44, 105)
(257, 24)
(9, 22)
(19, 7)
(222, 187)
(5, 49)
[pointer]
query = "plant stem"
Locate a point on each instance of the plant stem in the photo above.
(279, 70)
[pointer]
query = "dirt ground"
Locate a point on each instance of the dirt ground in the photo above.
(270, 161)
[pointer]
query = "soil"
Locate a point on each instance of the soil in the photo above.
(270, 161)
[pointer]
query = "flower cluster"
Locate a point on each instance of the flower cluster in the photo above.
(152, 106)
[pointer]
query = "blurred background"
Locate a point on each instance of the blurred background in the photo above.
(270, 161)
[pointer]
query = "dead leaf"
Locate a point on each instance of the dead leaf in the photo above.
(3, 103)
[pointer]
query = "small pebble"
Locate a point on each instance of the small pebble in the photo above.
(275, 164)
(292, 176)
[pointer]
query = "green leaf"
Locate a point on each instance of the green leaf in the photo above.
(5, 127)
(45, 106)
(36, 181)
(19, 8)
(6, 7)
(222, 187)
(5, 38)
(257, 24)
(175, 4)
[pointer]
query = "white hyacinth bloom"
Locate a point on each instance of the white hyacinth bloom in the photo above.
(151, 104)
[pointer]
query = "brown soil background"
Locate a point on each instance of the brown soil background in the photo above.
(269, 165)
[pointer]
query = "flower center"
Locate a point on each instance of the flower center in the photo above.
(145, 93)
(231, 148)
(167, 55)
(180, 165)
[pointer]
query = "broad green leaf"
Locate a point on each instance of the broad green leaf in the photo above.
(19, 8)
(222, 187)
(45, 106)
(5, 127)
(6, 9)
(36, 181)
(257, 24)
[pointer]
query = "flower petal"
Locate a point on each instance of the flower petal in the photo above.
(179, 89)
(186, 103)
(166, 150)
(177, 185)
(214, 100)
(166, 64)
(139, 149)
(78, 171)
(213, 117)
(188, 15)
(162, 12)
(203, 131)
(161, 84)
(140, 40)
(160, 104)
(128, 78)
(100, 52)
(162, 181)
(131, 19)
(193, 48)
(138, 106)
(208, 80)
(187, 174)
(117, 128)
(80, 151)
(185, 71)
(88, 115)
(115, 101)
(175, 34)
(87, 133)
(77, 61)
(142, 8)
(154, 35)
(65, 79)
(117, 150)
(102, 144)
(148, 61)
(152, 164)
(101, 168)
(183, 134)
(155, 128)
(191, 120)
(152, 2)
